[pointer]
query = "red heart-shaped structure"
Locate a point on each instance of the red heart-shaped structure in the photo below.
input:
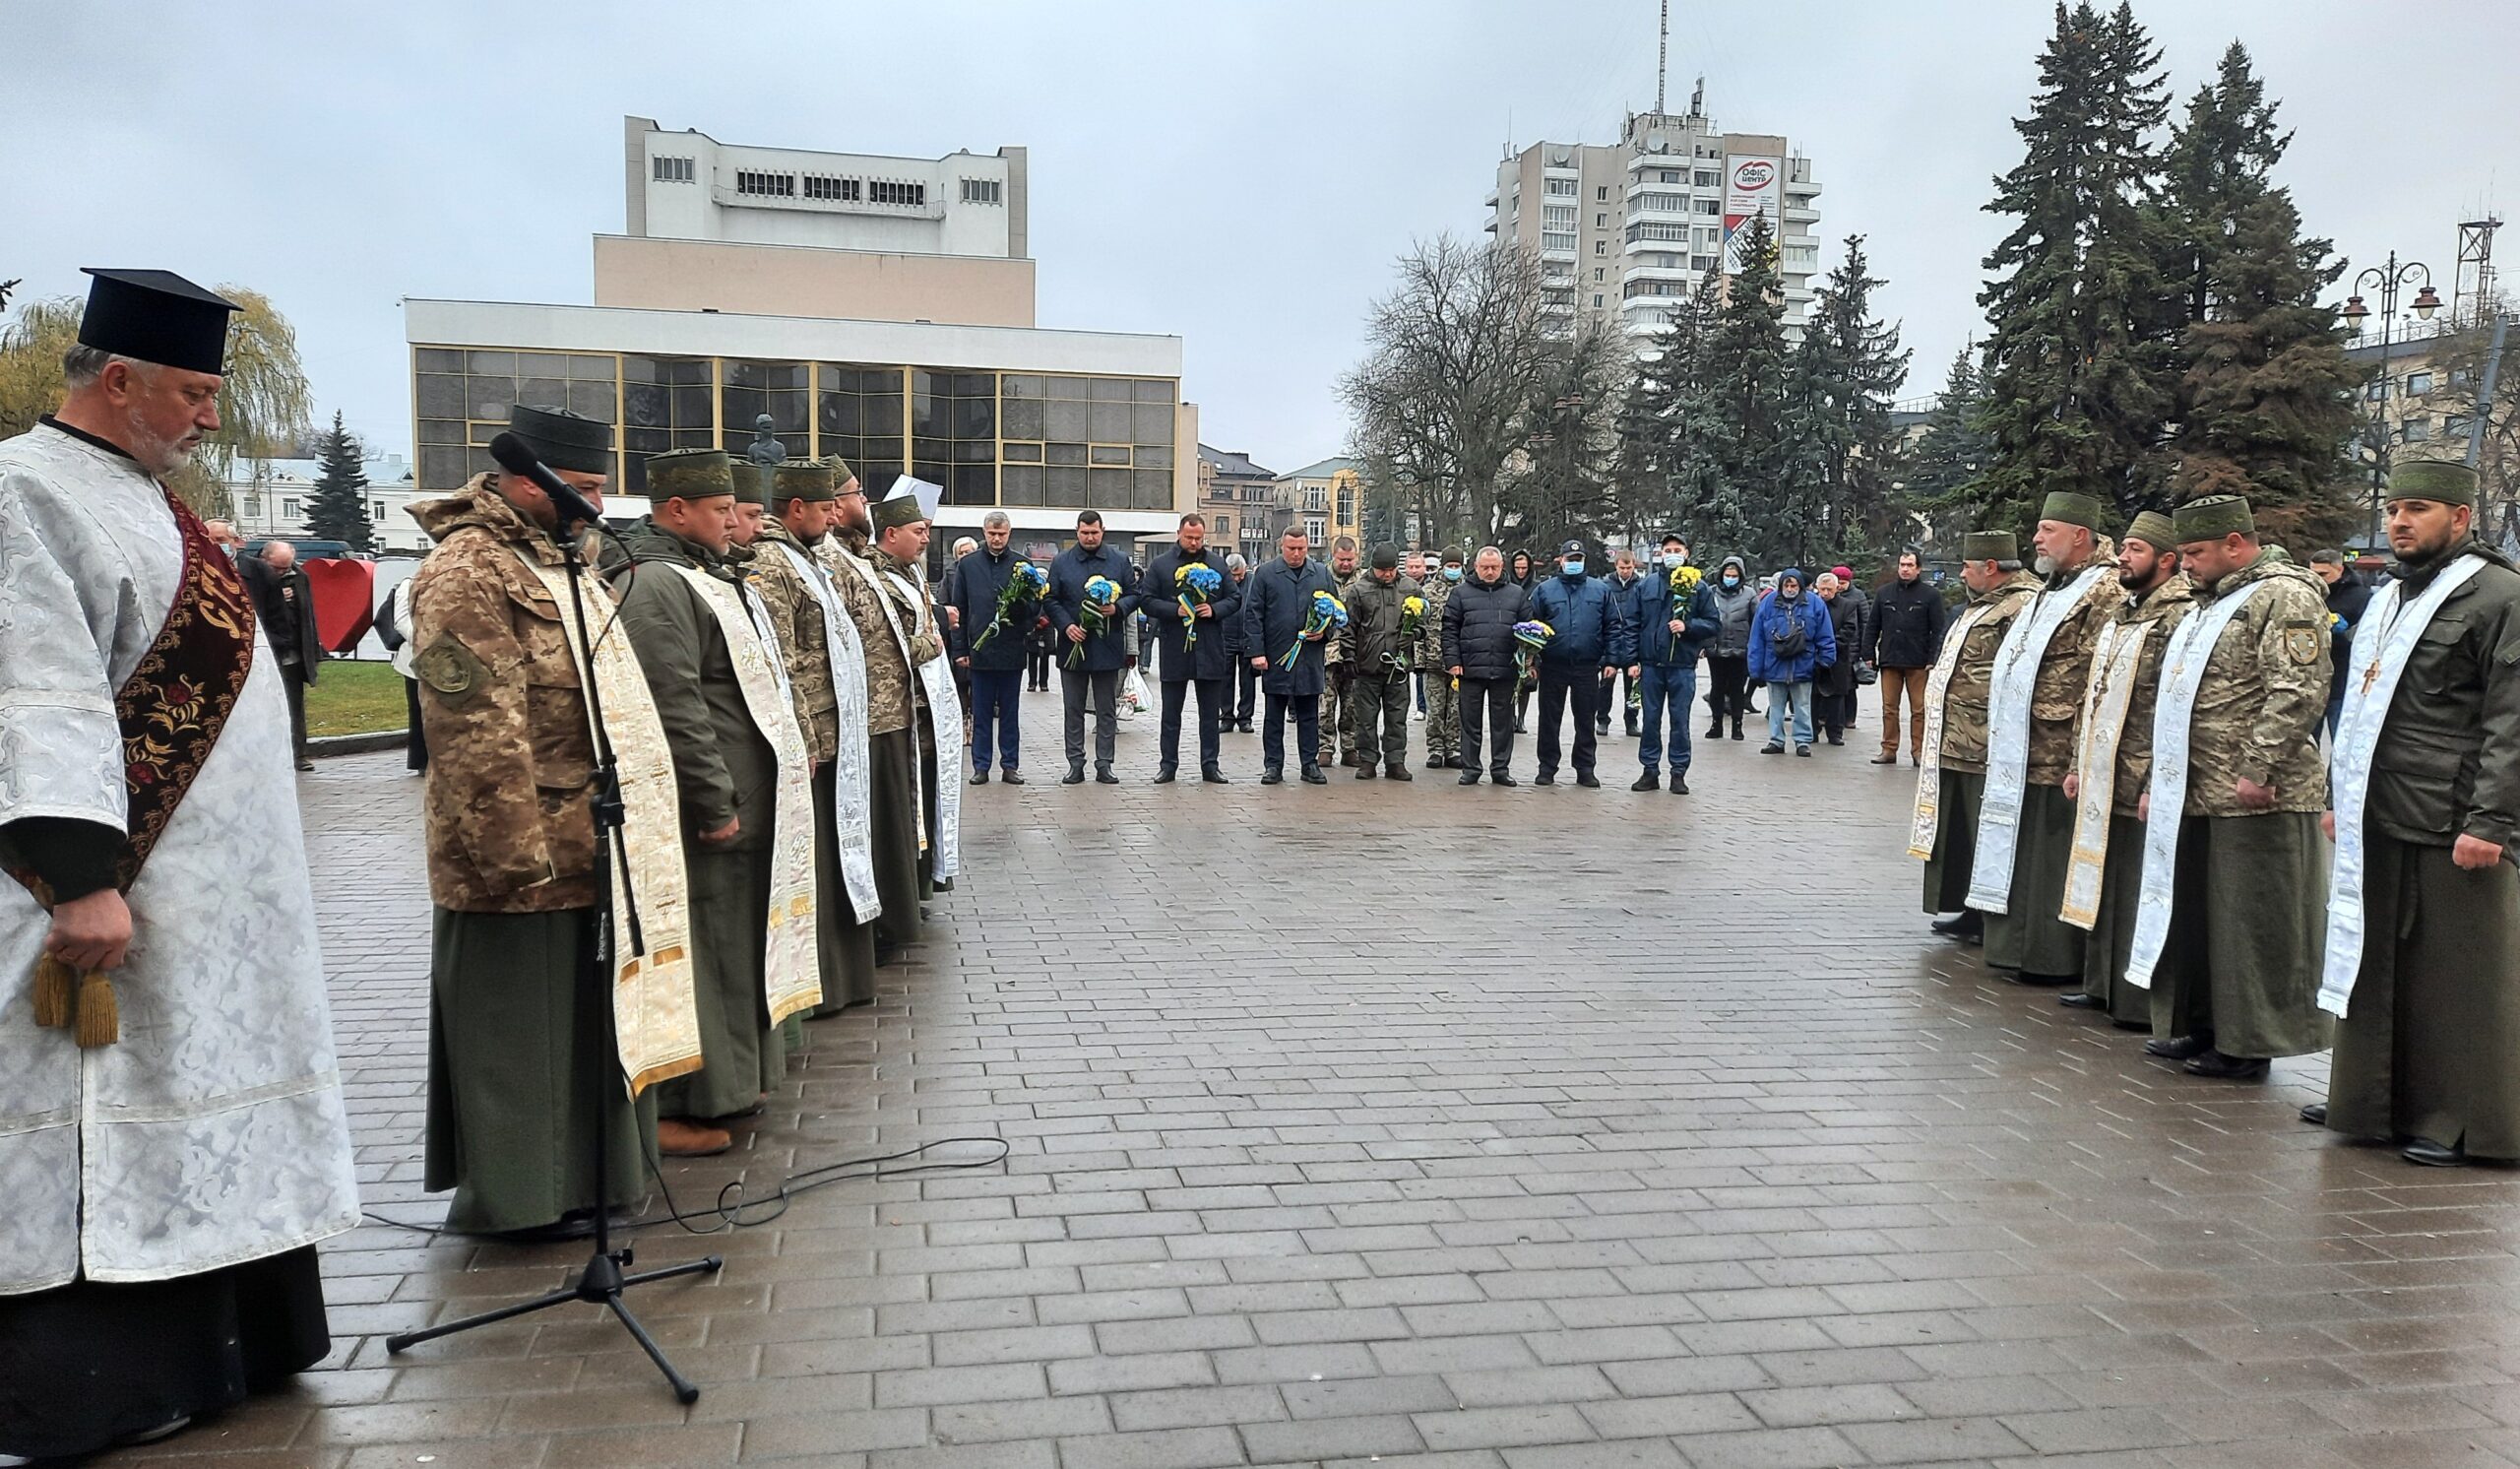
(345, 600)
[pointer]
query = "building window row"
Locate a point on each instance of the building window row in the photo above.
(895, 191)
(1562, 188)
(845, 190)
(1648, 229)
(1553, 242)
(1557, 215)
(766, 185)
(983, 191)
(673, 171)
(1667, 202)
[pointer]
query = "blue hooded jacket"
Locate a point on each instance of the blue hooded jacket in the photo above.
(1777, 616)
(1580, 611)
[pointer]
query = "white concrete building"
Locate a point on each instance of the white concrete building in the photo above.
(1624, 230)
(269, 498)
(687, 185)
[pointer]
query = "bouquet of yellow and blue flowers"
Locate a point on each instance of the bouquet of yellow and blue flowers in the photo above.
(1528, 639)
(1198, 582)
(1024, 590)
(1326, 615)
(1684, 580)
(1101, 606)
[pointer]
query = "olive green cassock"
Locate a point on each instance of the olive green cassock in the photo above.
(848, 945)
(893, 761)
(1955, 842)
(2029, 937)
(2112, 932)
(2248, 919)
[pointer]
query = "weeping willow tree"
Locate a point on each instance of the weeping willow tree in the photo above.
(264, 407)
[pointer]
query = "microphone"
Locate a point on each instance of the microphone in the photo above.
(517, 457)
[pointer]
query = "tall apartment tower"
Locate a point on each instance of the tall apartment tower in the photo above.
(1624, 230)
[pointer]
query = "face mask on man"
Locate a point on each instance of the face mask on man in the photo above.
(1731, 579)
(1452, 573)
(1571, 566)
(1671, 560)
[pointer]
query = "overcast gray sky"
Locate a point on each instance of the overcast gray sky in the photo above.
(1239, 174)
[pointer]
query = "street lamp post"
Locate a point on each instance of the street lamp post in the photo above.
(2388, 278)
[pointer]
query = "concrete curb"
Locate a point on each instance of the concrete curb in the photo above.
(357, 745)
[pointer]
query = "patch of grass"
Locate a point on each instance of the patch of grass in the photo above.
(356, 698)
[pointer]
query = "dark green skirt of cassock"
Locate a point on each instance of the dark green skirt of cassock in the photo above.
(893, 761)
(514, 1058)
(2248, 915)
(2429, 1046)
(2112, 932)
(2029, 937)
(927, 817)
(847, 946)
(1955, 841)
(741, 1056)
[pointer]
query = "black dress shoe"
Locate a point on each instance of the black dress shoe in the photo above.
(1075, 775)
(1165, 775)
(2179, 1047)
(1312, 775)
(1500, 777)
(1679, 783)
(2220, 1067)
(1272, 776)
(1969, 922)
(1102, 776)
(1769, 749)
(979, 777)
(2315, 1114)
(1011, 776)
(2045, 981)
(577, 1223)
(1588, 780)
(1212, 776)
(1545, 778)
(1804, 750)
(1651, 780)
(2432, 1155)
(1469, 778)
(2078, 1001)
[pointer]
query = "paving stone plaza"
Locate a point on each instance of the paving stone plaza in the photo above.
(1416, 1125)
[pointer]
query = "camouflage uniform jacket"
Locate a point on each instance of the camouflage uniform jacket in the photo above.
(1972, 686)
(1374, 624)
(796, 614)
(2064, 670)
(890, 684)
(505, 823)
(1331, 652)
(2162, 608)
(2263, 704)
(722, 765)
(1430, 652)
(917, 615)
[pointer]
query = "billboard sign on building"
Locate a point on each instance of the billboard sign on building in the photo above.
(1753, 186)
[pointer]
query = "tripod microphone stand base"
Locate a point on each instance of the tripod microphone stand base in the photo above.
(599, 1284)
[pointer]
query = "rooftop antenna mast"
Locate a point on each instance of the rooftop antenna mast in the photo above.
(1662, 57)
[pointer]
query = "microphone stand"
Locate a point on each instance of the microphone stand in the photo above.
(604, 1277)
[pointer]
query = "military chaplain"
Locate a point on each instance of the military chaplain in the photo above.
(1951, 778)
(827, 677)
(2233, 880)
(2113, 764)
(521, 1043)
(903, 520)
(1196, 647)
(171, 1133)
(2423, 914)
(2025, 823)
(892, 799)
(714, 670)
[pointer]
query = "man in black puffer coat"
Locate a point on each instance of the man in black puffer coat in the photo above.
(1478, 651)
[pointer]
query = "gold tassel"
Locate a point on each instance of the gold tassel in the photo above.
(53, 982)
(99, 1019)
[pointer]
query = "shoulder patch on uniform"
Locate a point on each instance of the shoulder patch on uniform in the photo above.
(450, 669)
(2300, 642)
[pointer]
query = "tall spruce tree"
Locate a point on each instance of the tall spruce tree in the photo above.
(338, 508)
(2266, 402)
(1745, 407)
(2081, 361)
(1943, 468)
(1846, 369)
(1706, 497)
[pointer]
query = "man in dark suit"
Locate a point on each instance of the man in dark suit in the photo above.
(286, 603)
(1206, 665)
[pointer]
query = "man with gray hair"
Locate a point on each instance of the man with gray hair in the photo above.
(285, 600)
(989, 655)
(1246, 678)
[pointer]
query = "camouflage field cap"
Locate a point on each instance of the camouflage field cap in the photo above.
(1990, 545)
(752, 480)
(690, 474)
(2435, 479)
(2213, 518)
(2073, 508)
(804, 480)
(2155, 530)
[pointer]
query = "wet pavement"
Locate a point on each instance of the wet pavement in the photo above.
(1420, 1126)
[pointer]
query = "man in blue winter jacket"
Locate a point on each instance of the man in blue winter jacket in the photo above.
(1662, 630)
(1790, 639)
(1576, 661)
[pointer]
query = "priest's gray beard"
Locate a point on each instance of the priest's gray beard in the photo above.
(159, 455)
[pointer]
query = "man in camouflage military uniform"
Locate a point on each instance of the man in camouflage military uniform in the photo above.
(728, 771)
(802, 497)
(902, 525)
(893, 701)
(2156, 593)
(516, 1049)
(1990, 566)
(2248, 897)
(1444, 701)
(2031, 936)
(1337, 711)
(2431, 1016)
(1379, 662)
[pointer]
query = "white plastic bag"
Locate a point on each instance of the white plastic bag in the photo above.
(1133, 696)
